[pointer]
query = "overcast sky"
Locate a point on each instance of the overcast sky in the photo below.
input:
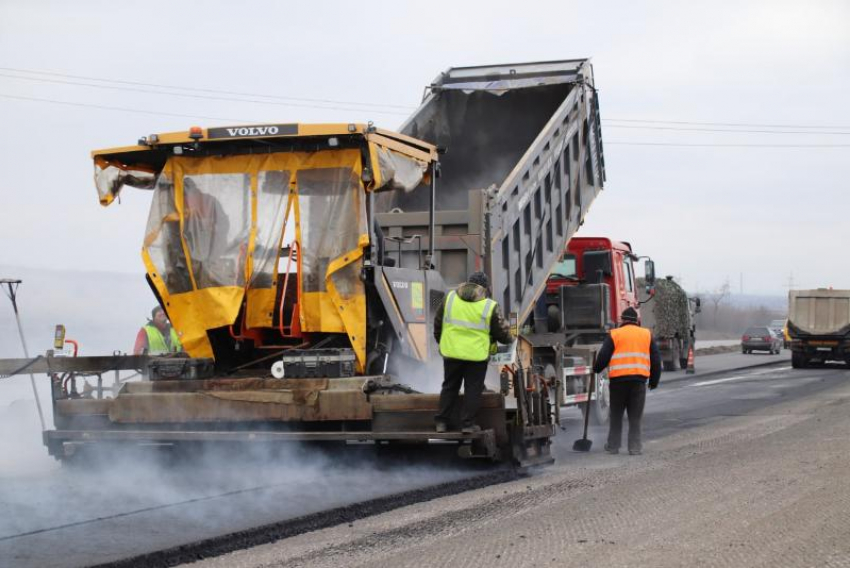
(706, 205)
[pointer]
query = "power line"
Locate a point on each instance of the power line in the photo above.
(741, 124)
(201, 90)
(725, 130)
(698, 145)
(378, 106)
(239, 120)
(122, 109)
(204, 97)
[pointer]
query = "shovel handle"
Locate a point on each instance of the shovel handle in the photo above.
(592, 379)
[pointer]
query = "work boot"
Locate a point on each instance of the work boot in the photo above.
(611, 450)
(635, 452)
(442, 427)
(474, 429)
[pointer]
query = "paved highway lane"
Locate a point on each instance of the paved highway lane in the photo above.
(688, 401)
(149, 502)
(743, 469)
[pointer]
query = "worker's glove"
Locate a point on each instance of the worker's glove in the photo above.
(653, 385)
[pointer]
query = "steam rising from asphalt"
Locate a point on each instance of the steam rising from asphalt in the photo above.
(154, 497)
(425, 377)
(123, 500)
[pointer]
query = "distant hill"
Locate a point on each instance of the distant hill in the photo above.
(770, 302)
(756, 301)
(101, 310)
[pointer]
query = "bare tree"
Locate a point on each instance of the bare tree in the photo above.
(717, 297)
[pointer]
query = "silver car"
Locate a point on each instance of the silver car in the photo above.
(760, 338)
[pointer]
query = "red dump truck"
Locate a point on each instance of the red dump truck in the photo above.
(586, 294)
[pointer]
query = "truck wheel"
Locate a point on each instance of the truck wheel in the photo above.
(600, 409)
(553, 318)
(669, 365)
(798, 360)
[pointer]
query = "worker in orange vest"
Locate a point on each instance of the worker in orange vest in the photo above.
(632, 359)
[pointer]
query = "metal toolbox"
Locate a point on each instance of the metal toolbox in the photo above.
(318, 363)
(167, 368)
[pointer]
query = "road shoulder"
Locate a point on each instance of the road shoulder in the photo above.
(768, 488)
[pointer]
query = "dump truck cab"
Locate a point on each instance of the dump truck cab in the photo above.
(591, 261)
(586, 294)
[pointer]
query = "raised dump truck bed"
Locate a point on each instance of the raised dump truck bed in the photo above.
(523, 162)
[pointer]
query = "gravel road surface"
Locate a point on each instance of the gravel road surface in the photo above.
(744, 469)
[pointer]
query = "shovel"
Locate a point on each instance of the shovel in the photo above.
(583, 445)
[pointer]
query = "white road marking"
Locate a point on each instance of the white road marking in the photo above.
(718, 381)
(738, 377)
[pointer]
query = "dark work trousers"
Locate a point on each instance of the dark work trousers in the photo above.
(456, 372)
(627, 395)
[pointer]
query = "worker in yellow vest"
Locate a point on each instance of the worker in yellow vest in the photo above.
(632, 359)
(467, 326)
(157, 337)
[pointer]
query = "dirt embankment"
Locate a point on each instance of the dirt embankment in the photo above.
(717, 349)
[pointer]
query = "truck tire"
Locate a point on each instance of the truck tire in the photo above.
(669, 365)
(553, 318)
(798, 360)
(677, 357)
(600, 409)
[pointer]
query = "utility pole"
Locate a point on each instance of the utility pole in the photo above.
(12, 293)
(790, 284)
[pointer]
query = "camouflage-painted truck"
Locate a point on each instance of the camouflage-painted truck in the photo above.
(669, 313)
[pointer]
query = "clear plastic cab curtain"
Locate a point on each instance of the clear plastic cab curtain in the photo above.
(272, 202)
(332, 219)
(162, 239)
(398, 171)
(216, 227)
(110, 177)
(272, 197)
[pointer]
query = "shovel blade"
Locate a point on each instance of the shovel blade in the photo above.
(582, 445)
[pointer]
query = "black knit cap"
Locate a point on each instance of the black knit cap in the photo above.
(630, 315)
(479, 278)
